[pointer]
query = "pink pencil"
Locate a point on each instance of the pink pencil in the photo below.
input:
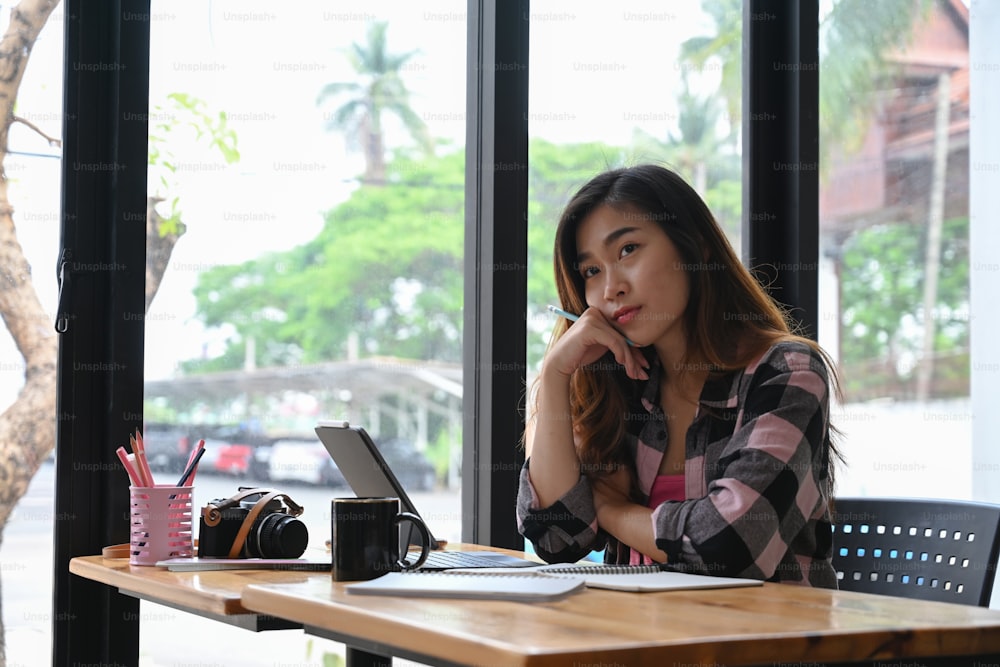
(145, 461)
(132, 474)
(140, 461)
(193, 459)
(193, 452)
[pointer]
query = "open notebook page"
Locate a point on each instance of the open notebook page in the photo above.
(641, 578)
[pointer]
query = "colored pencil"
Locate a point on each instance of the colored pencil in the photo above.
(140, 462)
(129, 468)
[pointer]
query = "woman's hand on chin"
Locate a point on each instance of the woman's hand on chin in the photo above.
(587, 340)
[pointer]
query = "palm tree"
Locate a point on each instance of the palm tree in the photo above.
(696, 149)
(854, 36)
(378, 89)
(725, 49)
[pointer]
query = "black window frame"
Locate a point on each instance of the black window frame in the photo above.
(496, 235)
(107, 76)
(780, 125)
(102, 266)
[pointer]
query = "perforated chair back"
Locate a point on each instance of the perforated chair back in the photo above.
(915, 548)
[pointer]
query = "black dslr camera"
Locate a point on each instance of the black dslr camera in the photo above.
(252, 524)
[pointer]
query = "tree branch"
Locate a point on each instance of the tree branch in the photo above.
(52, 140)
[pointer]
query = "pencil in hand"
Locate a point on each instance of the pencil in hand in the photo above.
(573, 318)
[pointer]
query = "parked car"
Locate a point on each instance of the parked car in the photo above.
(260, 463)
(302, 460)
(213, 450)
(234, 459)
(235, 450)
(412, 467)
(167, 446)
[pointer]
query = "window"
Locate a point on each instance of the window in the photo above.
(32, 163)
(312, 257)
(617, 85)
(895, 231)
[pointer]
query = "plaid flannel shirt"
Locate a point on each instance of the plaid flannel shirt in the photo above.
(755, 473)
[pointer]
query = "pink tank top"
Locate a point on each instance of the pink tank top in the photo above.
(665, 487)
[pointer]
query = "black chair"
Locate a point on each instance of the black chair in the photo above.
(917, 548)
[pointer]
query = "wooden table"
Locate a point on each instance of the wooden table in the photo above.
(776, 623)
(215, 595)
(768, 625)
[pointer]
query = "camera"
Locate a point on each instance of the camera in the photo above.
(254, 523)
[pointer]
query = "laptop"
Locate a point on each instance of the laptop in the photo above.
(367, 473)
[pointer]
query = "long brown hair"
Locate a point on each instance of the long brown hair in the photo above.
(729, 321)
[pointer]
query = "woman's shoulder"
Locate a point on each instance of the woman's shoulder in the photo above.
(791, 354)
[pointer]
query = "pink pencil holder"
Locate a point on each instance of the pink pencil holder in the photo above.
(161, 523)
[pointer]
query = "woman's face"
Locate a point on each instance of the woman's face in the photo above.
(633, 274)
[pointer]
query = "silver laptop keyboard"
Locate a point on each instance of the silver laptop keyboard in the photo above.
(444, 560)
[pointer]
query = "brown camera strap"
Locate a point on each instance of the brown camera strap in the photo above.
(241, 536)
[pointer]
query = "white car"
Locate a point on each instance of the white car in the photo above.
(305, 461)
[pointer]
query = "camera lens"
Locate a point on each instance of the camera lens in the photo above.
(279, 536)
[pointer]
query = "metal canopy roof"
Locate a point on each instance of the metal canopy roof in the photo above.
(366, 379)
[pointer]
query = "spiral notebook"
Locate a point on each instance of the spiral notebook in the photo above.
(447, 584)
(642, 578)
(484, 583)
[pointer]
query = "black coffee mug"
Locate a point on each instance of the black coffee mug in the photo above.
(365, 540)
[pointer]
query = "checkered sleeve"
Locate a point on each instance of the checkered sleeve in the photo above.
(566, 530)
(765, 484)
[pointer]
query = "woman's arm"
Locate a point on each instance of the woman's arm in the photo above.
(630, 523)
(555, 467)
(765, 486)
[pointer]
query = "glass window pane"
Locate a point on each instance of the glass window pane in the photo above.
(653, 83)
(307, 171)
(894, 222)
(29, 246)
(620, 84)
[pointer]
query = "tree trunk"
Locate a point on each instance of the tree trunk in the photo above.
(374, 158)
(932, 260)
(159, 248)
(25, 439)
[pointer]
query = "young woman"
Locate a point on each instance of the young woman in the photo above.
(679, 419)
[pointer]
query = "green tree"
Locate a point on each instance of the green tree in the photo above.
(377, 89)
(698, 152)
(883, 273)
(722, 51)
(386, 267)
(178, 114)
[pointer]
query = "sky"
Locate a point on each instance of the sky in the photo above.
(264, 63)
